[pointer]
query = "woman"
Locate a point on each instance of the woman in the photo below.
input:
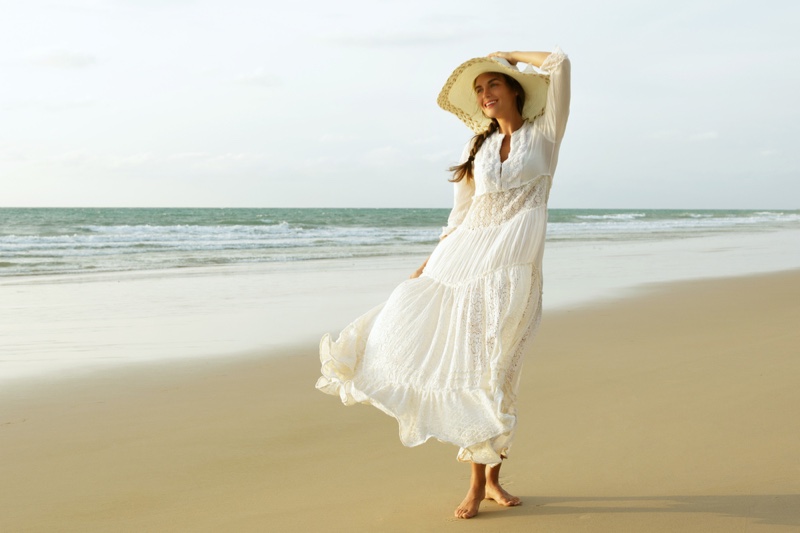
(443, 354)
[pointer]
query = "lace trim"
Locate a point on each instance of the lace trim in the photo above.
(512, 166)
(484, 321)
(556, 57)
(495, 208)
(473, 324)
(512, 374)
(488, 159)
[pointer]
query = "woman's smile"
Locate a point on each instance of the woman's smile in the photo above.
(494, 95)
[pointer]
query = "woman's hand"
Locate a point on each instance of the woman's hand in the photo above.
(532, 58)
(417, 273)
(508, 56)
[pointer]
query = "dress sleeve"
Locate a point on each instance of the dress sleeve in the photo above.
(463, 191)
(553, 122)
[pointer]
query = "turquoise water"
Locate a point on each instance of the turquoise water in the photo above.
(39, 241)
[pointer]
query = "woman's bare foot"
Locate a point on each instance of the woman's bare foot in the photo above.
(494, 491)
(501, 495)
(476, 494)
(469, 507)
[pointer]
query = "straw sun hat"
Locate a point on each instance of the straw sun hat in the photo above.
(458, 94)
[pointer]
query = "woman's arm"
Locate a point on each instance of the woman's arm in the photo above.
(557, 65)
(532, 58)
(418, 272)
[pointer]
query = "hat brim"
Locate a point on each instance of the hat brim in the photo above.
(458, 94)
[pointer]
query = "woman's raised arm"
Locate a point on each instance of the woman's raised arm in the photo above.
(556, 64)
(532, 58)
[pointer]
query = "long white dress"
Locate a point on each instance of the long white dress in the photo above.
(443, 354)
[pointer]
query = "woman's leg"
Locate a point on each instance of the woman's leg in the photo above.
(493, 489)
(476, 493)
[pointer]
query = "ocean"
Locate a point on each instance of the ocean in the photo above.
(46, 241)
(85, 289)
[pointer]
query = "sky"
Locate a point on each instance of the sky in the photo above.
(686, 104)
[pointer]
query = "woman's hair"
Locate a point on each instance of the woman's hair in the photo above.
(464, 170)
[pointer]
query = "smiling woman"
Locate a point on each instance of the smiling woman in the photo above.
(498, 94)
(443, 354)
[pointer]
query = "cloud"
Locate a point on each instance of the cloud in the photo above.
(73, 104)
(131, 161)
(381, 157)
(704, 136)
(665, 134)
(138, 160)
(59, 58)
(208, 160)
(259, 77)
(338, 138)
(677, 135)
(233, 158)
(50, 105)
(182, 156)
(768, 152)
(446, 155)
(71, 158)
(10, 153)
(431, 139)
(406, 38)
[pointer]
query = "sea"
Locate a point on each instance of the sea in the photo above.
(48, 241)
(82, 290)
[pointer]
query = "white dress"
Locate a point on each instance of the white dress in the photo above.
(443, 354)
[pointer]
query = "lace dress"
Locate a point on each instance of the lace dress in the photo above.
(443, 353)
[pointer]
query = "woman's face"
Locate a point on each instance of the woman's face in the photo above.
(495, 98)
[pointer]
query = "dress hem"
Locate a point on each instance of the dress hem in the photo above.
(350, 395)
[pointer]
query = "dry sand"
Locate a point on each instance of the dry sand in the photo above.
(675, 410)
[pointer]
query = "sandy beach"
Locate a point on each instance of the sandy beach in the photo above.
(671, 410)
(194, 196)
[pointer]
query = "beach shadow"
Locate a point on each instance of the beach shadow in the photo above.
(777, 509)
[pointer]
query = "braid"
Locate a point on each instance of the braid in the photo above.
(465, 169)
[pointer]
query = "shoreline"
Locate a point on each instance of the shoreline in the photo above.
(70, 324)
(670, 410)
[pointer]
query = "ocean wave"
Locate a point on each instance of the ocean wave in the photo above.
(612, 216)
(777, 215)
(118, 240)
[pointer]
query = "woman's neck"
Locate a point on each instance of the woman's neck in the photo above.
(507, 126)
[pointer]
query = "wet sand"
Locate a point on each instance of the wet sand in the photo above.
(672, 410)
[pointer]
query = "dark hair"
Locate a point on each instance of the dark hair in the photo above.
(464, 170)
